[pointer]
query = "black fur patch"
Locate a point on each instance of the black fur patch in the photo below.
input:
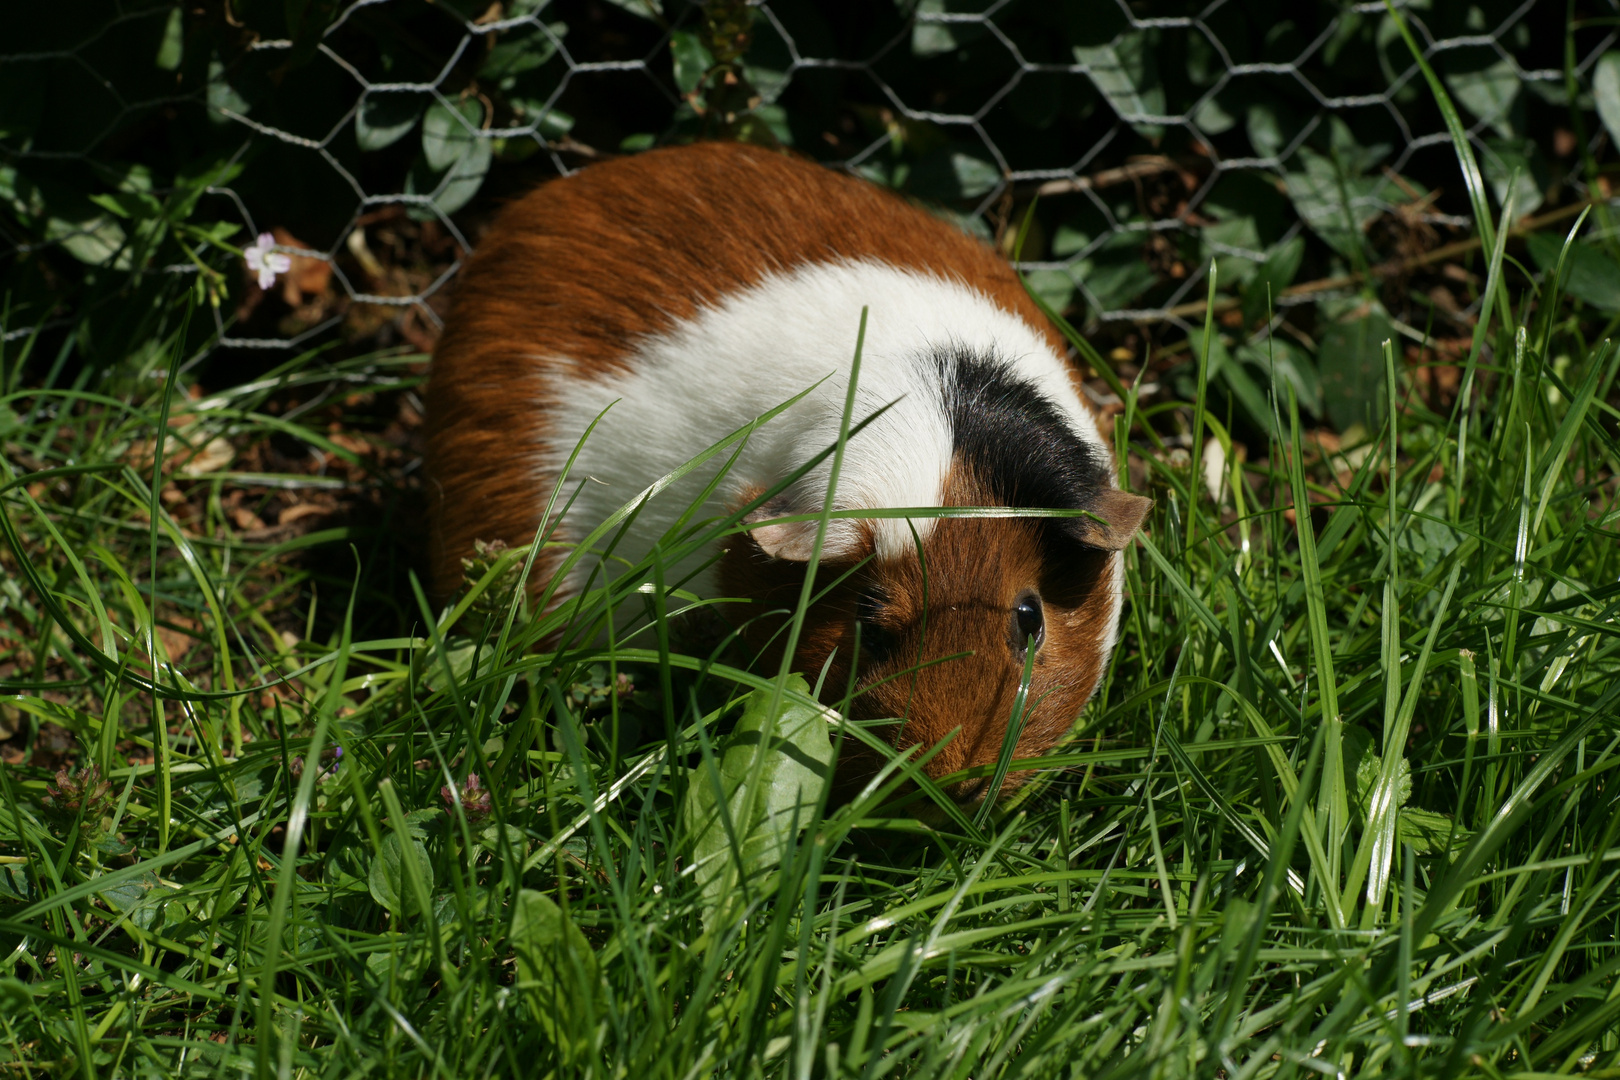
(1013, 437)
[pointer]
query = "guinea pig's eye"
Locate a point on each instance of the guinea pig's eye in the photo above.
(876, 641)
(1028, 621)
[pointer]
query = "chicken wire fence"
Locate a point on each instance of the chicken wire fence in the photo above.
(1295, 145)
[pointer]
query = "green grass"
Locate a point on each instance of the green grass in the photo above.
(1346, 803)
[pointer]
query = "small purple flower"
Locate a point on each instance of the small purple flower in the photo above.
(79, 789)
(474, 800)
(264, 262)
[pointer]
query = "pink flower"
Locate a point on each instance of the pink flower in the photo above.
(474, 799)
(264, 262)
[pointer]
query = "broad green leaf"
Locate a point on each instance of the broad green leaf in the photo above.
(550, 123)
(1212, 117)
(1488, 92)
(929, 38)
(764, 790)
(1273, 276)
(16, 999)
(1356, 157)
(384, 119)
(524, 51)
(451, 190)
(14, 884)
(1124, 72)
(1335, 204)
(460, 658)
(692, 59)
(950, 173)
(223, 100)
(1589, 274)
(1237, 231)
(556, 963)
(401, 964)
(1113, 273)
(1367, 769)
(387, 881)
(1606, 92)
(140, 896)
(1350, 363)
(1426, 831)
(173, 45)
(1291, 365)
(1506, 158)
(98, 241)
(449, 135)
(646, 9)
(1226, 372)
(1272, 127)
(1055, 287)
(974, 175)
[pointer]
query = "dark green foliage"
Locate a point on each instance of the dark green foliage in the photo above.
(144, 144)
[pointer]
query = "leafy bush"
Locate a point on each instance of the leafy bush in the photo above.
(143, 145)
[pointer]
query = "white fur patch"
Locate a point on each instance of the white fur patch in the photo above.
(691, 387)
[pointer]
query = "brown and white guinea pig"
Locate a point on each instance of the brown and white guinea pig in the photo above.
(696, 288)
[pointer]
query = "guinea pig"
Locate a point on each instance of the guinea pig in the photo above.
(693, 289)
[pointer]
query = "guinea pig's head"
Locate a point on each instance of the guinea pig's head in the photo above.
(937, 631)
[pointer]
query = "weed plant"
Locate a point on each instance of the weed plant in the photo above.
(1345, 804)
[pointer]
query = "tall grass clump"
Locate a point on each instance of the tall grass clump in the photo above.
(1345, 803)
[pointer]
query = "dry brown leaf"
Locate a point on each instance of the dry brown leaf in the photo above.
(301, 510)
(308, 276)
(179, 639)
(214, 455)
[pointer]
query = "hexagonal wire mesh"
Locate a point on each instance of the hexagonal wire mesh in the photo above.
(1333, 184)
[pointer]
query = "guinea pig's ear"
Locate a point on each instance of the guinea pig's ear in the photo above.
(1122, 514)
(795, 540)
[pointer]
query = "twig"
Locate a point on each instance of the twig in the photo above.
(570, 145)
(1134, 169)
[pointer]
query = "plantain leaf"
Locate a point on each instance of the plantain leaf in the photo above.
(1606, 91)
(764, 781)
(691, 58)
(1489, 92)
(384, 119)
(556, 966)
(1333, 201)
(1271, 278)
(387, 881)
(1426, 831)
(450, 135)
(1589, 274)
(1124, 72)
(935, 38)
(645, 9)
(1350, 362)
(1515, 164)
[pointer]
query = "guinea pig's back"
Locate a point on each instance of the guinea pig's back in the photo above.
(572, 278)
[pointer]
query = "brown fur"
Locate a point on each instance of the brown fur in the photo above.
(583, 266)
